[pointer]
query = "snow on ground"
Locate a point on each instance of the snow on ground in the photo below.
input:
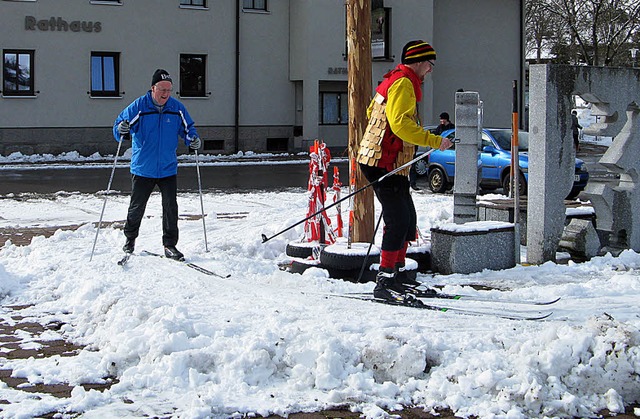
(264, 341)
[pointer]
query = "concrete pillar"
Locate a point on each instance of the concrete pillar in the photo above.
(551, 159)
(465, 187)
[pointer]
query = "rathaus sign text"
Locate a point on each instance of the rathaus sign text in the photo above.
(59, 24)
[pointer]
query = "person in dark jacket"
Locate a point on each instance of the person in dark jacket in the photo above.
(389, 142)
(445, 124)
(154, 123)
(575, 127)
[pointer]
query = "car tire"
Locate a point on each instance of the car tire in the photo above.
(487, 188)
(337, 256)
(437, 180)
(421, 167)
(300, 266)
(422, 256)
(300, 249)
(506, 185)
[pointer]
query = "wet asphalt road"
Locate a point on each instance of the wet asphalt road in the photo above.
(90, 178)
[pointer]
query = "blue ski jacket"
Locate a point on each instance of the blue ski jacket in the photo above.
(155, 135)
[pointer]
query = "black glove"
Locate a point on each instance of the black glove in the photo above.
(195, 143)
(123, 128)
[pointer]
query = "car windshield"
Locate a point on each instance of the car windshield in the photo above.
(503, 138)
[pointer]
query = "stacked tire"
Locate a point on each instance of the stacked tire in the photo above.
(358, 262)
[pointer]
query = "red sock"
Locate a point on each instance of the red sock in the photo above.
(388, 259)
(402, 254)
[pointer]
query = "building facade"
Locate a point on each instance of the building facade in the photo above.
(256, 75)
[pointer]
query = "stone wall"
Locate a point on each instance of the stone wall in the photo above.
(551, 151)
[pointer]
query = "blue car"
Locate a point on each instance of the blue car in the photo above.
(496, 164)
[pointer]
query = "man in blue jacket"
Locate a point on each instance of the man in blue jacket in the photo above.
(154, 122)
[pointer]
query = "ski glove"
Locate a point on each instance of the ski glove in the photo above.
(123, 127)
(195, 143)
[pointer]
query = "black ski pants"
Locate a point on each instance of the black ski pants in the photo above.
(141, 188)
(398, 211)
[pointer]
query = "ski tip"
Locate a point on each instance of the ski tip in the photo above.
(264, 238)
(542, 303)
(541, 317)
(532, 317)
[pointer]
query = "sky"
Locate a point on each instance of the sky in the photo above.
(266, 341)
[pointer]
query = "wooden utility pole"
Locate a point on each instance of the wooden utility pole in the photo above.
(359, 88)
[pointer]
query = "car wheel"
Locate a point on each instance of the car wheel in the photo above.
(506, 185)
(437, 180)
(421, 167)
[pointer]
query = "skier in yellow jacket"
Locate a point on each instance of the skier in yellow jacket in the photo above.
(389, 142)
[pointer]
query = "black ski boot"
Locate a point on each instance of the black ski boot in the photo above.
(408, 280)
(172, 253)
(387, 286)
(129, 245)
(405, 277)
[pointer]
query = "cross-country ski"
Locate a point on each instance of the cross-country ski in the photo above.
(187, 263)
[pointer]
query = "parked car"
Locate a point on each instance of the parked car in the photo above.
(421, 166)
(496, 163)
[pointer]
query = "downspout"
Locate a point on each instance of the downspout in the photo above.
(236, 125)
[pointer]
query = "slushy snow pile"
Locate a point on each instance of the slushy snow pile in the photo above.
(265, 341)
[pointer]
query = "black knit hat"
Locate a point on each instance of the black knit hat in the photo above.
(160, 75)
(417, 51)
(444, 115)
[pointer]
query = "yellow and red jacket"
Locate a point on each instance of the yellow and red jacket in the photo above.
(394, 130)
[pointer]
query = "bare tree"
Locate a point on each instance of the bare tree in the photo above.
(540, 30)
(592, 32)
(622, 22)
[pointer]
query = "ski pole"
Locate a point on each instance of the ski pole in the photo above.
(366, 258)
(352, 187)
(420, 235)
(393, 172)
(204, 225)
(104, 204)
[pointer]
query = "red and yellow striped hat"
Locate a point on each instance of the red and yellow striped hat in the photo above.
(417, 51)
